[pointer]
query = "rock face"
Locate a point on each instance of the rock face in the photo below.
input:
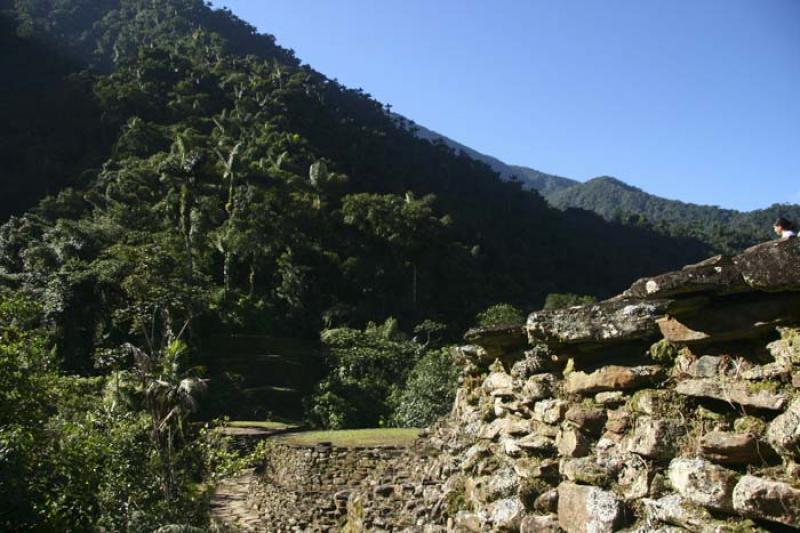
(673, 407)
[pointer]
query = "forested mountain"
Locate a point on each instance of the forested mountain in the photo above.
(544, 183)
(723, 230)
(252, 193)
(726, 230)
(529, 178)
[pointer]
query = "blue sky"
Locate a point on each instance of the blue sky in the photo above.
(697, 100)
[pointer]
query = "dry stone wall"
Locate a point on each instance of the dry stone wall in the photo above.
(672, 407)
(308, 488)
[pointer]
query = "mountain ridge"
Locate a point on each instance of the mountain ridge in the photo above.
(726, 230)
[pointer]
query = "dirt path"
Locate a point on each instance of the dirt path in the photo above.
(229, 507)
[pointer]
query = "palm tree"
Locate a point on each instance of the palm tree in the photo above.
(170, 396)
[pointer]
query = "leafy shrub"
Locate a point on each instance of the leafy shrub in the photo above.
(429, 391)
(367, 367)
(499, 315)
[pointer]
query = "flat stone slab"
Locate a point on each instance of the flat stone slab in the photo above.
(498, 340)
(714, 275)
(611, 378)
(771, 266)
(609, 321)
(744, 317)
(740, 392)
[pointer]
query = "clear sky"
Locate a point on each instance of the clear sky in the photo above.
(697, 100)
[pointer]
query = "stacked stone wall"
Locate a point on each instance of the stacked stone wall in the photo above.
(308, 488)
(673, 407)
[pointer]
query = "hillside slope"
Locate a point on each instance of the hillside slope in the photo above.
(529, 178)
(247, 193)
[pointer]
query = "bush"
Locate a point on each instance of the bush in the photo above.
(367, 367)
(429, 391)
(500, 315)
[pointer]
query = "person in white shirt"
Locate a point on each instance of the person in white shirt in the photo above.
(784, 228)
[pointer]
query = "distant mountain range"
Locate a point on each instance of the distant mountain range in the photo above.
(726, 230)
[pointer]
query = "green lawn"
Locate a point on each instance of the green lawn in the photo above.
(356, 437)
(263, 424)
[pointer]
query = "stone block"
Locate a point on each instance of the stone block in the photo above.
(612, 377)
(586, 509)
(703, 483)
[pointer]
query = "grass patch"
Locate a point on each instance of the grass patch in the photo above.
(356, 437)
(263, 424)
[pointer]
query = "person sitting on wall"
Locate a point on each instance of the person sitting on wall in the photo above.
(784, 228)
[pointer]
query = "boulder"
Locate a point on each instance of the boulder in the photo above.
(609, 321)
(703, 483)
(743, 393)
(767, 500)
(784, 431)
(771, 266)
(586, 509)
(717, 275)
(610, 398)
(502, 484)
(509, 425)
(612, 377)
(655, 402)
(732, 448)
